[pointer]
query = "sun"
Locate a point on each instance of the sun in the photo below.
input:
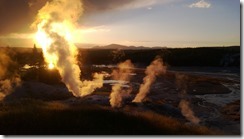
(51, 66)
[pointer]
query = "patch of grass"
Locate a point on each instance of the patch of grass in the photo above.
(57, 119)
(29, 117)
(171, 126)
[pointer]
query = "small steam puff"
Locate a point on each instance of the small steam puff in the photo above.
(7, 86)
(89, 86)
(55, 23)
(5, 60)
(8, 80)
(184, 105)
(121, 74)
(187, 112)
(154, 69)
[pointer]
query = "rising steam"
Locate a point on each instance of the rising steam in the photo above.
(89, 86)
(56, 22)
(121, 74)
(154, 69)
(187, 112)
(5, 60)
(8, 79)
(8, 85)
(184, 105)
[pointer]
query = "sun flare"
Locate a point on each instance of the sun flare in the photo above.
(51, 66)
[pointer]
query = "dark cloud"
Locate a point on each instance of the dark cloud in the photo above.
(17, 15)
(93, 6)
(13, 15)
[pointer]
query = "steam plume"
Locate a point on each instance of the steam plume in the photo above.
(8, 85)
(154, 69)
(187, 112)
(121, 74)
(56, 22)
(184, 105)
(8, 78)
(89, 86)
(5, 60)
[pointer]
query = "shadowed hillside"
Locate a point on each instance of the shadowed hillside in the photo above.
(209, 56)
(205, 56)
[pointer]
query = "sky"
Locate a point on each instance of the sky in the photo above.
(167, 23)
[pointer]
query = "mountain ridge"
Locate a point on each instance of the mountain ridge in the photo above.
(118, 46)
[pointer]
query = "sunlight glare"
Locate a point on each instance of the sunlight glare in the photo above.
(51, 66)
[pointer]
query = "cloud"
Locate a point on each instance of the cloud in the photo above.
(200, 4)
(17, 39)
(13, 15)
(18, 36)
(93, 6)
(17, 15)
(11, 38)
(93, 29)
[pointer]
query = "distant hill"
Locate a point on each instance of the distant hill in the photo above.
(118, 46)
(203, 56)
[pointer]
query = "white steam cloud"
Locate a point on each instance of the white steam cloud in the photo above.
(56, 23)
(152, 71)
(121, 74)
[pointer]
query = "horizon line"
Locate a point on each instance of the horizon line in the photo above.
(136, 47)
